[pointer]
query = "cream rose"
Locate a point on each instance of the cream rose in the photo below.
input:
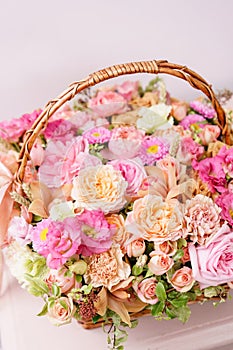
(100, 187)
(160, 263)
(61, 311)
(136, 248)
(182, 280)
(155, 220)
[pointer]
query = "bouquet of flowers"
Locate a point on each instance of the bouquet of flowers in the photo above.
(125, 206)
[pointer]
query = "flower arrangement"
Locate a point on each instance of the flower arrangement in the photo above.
(126, 205)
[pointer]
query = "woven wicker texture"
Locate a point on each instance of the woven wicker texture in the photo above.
(153, 67)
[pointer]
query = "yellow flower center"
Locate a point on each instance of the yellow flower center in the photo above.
(96, 134)
(43, 234)
(153, 149)
(231, 213)
(89, 231)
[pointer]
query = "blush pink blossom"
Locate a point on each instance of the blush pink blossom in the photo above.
(203, 109)
(136, 247)
(209, 133)
(55, 240)
(63, 161)
(226, 157)
(60, 129)
(182, 280)
(37, 153)
(191, 119)
(124, 143)
(133, 172)
(212, 264)
(160, 263)
(189, 150)
(61, 278)
(19, 230)
(146, 290)
(107, 103)
(13, 129)
(128, 89)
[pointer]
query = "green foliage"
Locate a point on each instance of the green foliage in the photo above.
(137, 270)
(43, 311)
(36, 286)
(160, 292)
(157, 309)
(178, 255)
(181, 243)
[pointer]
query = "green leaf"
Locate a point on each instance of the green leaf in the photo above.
(134, 323)
(178, 303)
(136, 270)
(160, 292)
(182, 313)
(96, 318)
(157, 308)
(56, 291)
(43, 311)
(78, 278)
(149, 273)
(178, 255)
(170, 313)
(86, 289)
(63, 304)
(181, 243)
(210, 292)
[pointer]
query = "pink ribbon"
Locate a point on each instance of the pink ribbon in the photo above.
(6, 202)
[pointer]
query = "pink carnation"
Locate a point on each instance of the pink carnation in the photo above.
(13, 129)
(60, 129)
(133, 172)
(56, 241)
(96, 233)
(212, 264)
(225, 202)
(211, 172)
(226, 156)
(153, 149)
(189, 150)
(63, 161)
(191, 119)
(204, 110)
(107, 103)
(97, 135)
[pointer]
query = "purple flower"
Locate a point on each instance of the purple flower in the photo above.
(204, 110)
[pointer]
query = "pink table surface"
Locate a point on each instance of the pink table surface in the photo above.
(21, 329)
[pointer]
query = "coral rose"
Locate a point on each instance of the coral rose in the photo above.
(182, 280)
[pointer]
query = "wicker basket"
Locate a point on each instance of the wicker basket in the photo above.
(154, 67)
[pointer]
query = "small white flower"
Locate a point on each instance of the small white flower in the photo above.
(153, 117)
(61, 210)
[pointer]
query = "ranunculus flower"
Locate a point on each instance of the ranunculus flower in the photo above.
(155, 220)
(136, 247)
(160, 263)
(107, 269)
(61, 279)
(145, 290)
(212, 263)
(182, 280)
(133, 172)
(153, 117)
(100, 187)
(58, 314)
(107, 103)
(202, 218)
(209, 133)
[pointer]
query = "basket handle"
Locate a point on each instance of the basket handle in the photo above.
(154, 67)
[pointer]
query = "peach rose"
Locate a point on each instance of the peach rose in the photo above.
(61, 311)
(136, 248)
(160, 263)
(107, 103)
(155, 220)
(209, 134)
(145, 290)
(179, 110)
(60, 279)
(100, 187)
(182, 280)
(167, 247)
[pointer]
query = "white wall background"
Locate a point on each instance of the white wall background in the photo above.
(47, 44)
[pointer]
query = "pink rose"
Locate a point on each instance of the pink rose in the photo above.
(212, 264)
(136, 248)
(107, 103)
(225, 202)
(209, 133)
(182, 280)
(133, 172)
(160, 263)
(60, 129)
(167, 247)
(128, 89)
(145, 290)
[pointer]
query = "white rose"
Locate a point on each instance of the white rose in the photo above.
(153, 117)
